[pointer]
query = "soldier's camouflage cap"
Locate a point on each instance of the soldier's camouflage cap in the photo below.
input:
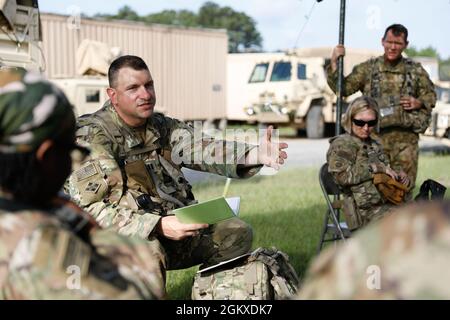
(31, 111)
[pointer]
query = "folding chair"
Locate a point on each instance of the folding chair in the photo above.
(332, 229)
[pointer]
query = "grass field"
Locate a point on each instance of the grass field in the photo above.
(286, 210)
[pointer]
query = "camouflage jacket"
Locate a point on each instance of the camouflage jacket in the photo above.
(50, 254)
(387, 84)
(130, 183)
(404, 256)
(349, 161)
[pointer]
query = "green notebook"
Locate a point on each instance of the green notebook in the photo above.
(210, 212)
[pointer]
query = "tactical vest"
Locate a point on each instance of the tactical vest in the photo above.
(392, 113)
(149, 174)
(264, 274)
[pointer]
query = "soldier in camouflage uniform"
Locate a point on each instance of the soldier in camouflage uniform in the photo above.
(133, 177)
(49, 248)
(403, 256)
(354, 157)
(404, 93)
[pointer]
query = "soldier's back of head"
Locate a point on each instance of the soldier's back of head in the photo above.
(404, 256)
(48, 246)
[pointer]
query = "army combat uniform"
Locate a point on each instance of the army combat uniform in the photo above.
(349, 160)
(134, 178)
(387, 84)
(404, 256)
(50, 248)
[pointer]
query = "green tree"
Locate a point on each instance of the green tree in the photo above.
(242, 32)
(183, 18)
(425, 52)
(124, 13)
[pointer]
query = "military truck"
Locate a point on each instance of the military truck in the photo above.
(87, 94)
(290, 89)
(20, 47)
(20, 36)
(87, 90)
(440, 120)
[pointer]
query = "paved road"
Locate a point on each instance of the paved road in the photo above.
(305, 152)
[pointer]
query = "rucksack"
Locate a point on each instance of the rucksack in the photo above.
(264, 274)
(436, 189)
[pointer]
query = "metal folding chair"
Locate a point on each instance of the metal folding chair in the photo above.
(333, 229)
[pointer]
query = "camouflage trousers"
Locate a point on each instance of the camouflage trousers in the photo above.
(222, 241)
(402, 149)
(373, 214)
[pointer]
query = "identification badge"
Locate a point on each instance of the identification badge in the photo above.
(384, 112)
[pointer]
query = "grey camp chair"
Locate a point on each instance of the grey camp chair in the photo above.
(332, 229)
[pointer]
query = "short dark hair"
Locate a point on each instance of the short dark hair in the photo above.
(133, 62)
(397, 29)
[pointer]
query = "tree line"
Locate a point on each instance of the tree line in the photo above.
(242, 33)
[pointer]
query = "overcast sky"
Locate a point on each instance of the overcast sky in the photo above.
(280, 21)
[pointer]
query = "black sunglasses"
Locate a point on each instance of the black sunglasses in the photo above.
(362, 123)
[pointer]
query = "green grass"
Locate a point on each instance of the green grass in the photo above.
(286, 210)
(286, 132)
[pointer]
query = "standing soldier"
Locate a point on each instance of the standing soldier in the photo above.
(49, 248)
(404, 93)
(133, 178)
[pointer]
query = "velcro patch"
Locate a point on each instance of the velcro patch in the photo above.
(344, 154)
(92, 187)
(86, 172)
(384, 112)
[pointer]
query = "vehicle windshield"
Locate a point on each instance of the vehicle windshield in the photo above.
(259, 73)
(301, 71)
(281, 71)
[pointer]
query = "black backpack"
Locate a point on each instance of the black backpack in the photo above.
(437, 191)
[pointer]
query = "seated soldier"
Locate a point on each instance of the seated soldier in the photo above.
(354, 158)
(49, 248)
(133, 178)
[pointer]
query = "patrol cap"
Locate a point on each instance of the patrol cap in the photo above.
(31, 111)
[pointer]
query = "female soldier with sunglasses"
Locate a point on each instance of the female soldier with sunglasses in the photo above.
(354, 157)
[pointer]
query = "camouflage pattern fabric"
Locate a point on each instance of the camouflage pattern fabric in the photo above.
(404, 256)
(31, 110)
(264, 274)
(222, 241)
(41, 258)
(388, 84)
(402, 148)
(127, 166)
(349, 160)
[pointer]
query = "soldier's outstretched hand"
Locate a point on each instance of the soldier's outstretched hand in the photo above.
(271, 153)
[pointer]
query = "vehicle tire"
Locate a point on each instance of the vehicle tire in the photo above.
(300, 133)
(315, 124)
